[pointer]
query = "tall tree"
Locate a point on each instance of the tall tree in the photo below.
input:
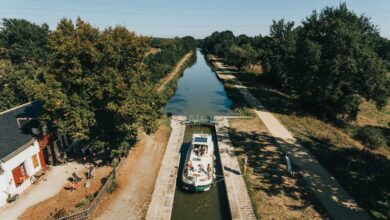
(336, 64)
(241, 56)
(96, 86)
(13, 92)
(21, 41)
(279, 52)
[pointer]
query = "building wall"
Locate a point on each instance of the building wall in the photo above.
(7, 182)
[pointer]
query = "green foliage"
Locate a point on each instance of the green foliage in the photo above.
(96, 87)
(113, 186)
(12, 89)
(85, 202)
(279, 53)
(336, 64)
(22, 41)
(332, 62)
(241, 56)
(237, 51)
(383, 50)
(172, 50)
(371, 137)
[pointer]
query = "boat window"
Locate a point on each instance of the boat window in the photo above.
(201, 139)
(196, 159)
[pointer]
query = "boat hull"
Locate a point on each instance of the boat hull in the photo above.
(193, 188)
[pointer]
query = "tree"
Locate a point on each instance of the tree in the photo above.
(279, 53)
(12, 89)
(172, 50)
(336, 65)
(241, 56)
(22, 41)
(383, 50)
(96, 87)
(219, 43)
(372, 138)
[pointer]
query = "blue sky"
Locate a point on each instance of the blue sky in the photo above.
(198, 18)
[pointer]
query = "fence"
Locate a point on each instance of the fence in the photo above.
(88, 212)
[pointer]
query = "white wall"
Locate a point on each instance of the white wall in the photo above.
(7, 182)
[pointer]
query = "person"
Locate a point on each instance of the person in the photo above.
(209, 170)
(245, 163)
(202, 151)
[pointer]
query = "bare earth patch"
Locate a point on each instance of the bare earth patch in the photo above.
(136, 179)
(65, 201)
(274, 193)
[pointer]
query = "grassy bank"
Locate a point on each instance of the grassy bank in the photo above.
(364, 175)
(170, 86)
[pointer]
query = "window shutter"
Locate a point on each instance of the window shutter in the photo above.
(18, 177)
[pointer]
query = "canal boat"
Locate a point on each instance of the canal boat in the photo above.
(198, 171)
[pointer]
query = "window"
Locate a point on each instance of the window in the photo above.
(35, 161)
(20, 175)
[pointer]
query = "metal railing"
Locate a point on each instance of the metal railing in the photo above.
(89, 211)
(199, 120)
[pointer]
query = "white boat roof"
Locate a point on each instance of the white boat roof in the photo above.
(201, 138)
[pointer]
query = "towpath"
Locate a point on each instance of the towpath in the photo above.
(238, 198)
(338, 203)
(164, 191)
(175, 71)
(136, 179)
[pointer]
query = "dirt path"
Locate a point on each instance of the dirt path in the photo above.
(172, 74)
(136, 179)
(67, 202)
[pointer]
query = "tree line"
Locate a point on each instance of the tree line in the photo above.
(331, 62)
(171, 51)
(95, 85)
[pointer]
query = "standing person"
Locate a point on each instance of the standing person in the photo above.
(245, 162)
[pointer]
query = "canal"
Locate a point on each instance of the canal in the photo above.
(199, 92)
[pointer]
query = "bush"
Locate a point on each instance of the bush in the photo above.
(60, 213)
(113, 186)
(371, 137)
(86, 201)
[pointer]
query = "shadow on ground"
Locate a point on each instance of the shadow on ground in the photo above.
(367, 178)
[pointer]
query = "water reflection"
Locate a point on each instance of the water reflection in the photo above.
(199, 92)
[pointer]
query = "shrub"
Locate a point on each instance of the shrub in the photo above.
(113, 186)
(371, 137)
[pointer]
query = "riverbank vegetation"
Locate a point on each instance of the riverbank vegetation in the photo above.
(326, 81)
(95, 85)
(171, 52)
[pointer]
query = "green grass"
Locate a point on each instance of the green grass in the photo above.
(368, 179)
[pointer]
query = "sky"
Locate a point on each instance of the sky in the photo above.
(198, 18)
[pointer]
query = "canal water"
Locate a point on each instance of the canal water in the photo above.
(199, 92)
